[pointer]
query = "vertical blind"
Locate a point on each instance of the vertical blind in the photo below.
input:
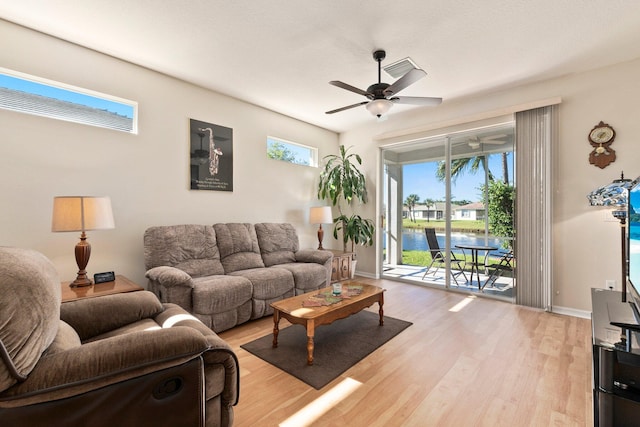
(535, 136)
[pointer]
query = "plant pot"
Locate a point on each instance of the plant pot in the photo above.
(353, 267)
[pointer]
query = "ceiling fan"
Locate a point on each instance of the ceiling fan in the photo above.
(381, 96)
(475, 142)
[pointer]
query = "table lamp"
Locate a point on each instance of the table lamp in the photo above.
(320, 215)
(82, 213)
(616, 195)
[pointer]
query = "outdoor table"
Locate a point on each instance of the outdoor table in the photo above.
(474, 258)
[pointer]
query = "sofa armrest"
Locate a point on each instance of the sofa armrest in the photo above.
(101, 363)
(314, 255)
(219, 351)
(171, 284)
(111, 311)
(169, 276)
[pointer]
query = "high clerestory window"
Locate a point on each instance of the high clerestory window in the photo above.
(41, 97)
(291, 152)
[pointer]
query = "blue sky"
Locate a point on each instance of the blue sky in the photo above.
(15, 83)
(420, 179)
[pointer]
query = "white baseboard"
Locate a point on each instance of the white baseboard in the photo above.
(566, 311)
(367, 275)
(571, 312)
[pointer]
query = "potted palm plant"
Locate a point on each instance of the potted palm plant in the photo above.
(342, 181)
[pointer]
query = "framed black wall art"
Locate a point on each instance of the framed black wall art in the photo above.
(210, 156)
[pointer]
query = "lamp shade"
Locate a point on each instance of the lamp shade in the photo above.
(81, 213)
(614, 194)
(378, 107)
(320, 215)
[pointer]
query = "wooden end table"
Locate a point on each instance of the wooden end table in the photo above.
(120, 285)
(312, 317)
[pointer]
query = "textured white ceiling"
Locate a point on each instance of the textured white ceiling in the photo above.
(281, 54)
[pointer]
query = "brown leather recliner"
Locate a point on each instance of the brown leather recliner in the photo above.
(123, 359)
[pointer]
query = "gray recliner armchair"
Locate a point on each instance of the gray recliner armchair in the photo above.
(123, 359)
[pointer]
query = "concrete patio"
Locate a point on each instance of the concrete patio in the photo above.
(503, 288)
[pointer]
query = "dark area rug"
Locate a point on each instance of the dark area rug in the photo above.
(338, 346)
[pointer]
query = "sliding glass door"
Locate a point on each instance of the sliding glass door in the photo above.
(458, 187)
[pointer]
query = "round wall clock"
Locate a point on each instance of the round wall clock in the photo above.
(602, 133)
(601, 137)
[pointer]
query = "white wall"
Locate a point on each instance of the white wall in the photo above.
(146, 175)
(586, 247)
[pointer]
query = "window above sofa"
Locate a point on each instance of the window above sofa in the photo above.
(38, 96)
(291, 152)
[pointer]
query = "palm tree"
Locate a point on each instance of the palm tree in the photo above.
(505, 168)
(429, 203)
(459, 166)
(473, 164)
(410, 203)
(500, 215)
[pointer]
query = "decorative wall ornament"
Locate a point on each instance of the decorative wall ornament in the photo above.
(601, 137)
(211, 156)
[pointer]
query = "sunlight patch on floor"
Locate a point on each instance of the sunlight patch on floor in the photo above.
(462, 304)
(314, 410)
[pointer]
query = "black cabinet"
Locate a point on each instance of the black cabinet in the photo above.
(616, 363)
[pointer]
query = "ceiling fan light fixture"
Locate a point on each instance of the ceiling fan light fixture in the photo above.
(378, 107)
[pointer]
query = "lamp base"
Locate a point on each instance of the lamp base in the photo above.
(83, 252)
(320, 237)
(81, 281)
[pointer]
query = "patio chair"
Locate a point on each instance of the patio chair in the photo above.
(438, 257)
(504, 263)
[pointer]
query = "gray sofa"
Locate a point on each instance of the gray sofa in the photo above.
(227, 274)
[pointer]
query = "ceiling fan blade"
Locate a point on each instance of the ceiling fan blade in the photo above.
(493, 141)
(411, 77)
(416, 100)
(350, 88)
(489, 138)
(337, 110)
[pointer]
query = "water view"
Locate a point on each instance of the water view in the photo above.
(415, 240)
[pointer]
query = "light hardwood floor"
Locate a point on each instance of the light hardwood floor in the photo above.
(489, 363)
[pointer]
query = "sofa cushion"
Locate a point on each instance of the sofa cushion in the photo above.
(238, 245)
(307, 276)
(268, 283)
(29, 311)
(278, 243)
(113, 311)
(222, 302)
(66, 339)
(191, 248)
(217, 294)
(138, 326)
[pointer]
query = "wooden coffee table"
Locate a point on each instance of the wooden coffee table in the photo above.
(312, 317)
